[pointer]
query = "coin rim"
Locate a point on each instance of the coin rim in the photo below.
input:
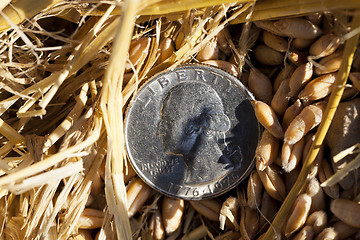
(236, 81)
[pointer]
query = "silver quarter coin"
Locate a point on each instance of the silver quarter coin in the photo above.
(191, 132)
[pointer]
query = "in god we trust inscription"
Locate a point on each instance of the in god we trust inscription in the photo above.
(191, 132)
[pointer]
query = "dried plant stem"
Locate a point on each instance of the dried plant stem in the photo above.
(20, 10)
(111, 106)
(173, 6)
(53, 159)
(335, 98)
(270, 9)
(10, 133)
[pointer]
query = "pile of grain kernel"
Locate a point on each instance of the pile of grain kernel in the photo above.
(289, 64)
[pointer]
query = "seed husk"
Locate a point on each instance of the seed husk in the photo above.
(309, 118)
(229, 213)
(347, 211)
(209, 208)
(172, 211)
(156, 226)
(260, 85)
(298, 28)
(306, 233)
(137, 193)
(269, 26)
(325, 45)
(268, 56)
(324, 172)
(254, 191)
(267, 118)
(299, 78)
(275, 42)
(298, 215)
(267, 150)
(317, 220)
(318, 88)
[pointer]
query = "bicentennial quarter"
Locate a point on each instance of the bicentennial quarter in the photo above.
(191, 132)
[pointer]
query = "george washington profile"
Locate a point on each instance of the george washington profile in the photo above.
(192, 125)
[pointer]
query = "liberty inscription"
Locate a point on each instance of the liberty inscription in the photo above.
(192, 132)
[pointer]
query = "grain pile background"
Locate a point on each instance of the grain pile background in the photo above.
(68, 70)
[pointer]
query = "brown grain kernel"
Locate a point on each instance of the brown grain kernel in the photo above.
(172, 212)
(272, 182)
(327, 234)
(84, 235)
(251, 222)
(269, 26)
(268, 211)
(156, 226)
(347, 211)
(298, 28)
(300, 43)
(343, 230)
(222, 39)
(280, 101)
(91, 219)
(298, 215)
(166, 49)
(317, 195)
(318, 88)
(209, 52)
(324, 172)
(306, 233)
(285, 73)
(209, 208)
(291, 112)
(260, 85)
(138, 49)
(290, 178)
(224, 65)
(254, 191)
(329, 64)
(267, 117)
(268, 56)
(317, 220)
(267, 150)
(309, 118)
(315, 18)
(299, 78)
(325, 45)
(275, 42)
(229, 236)
(137, 193)
(355, 79)
(290, 163)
